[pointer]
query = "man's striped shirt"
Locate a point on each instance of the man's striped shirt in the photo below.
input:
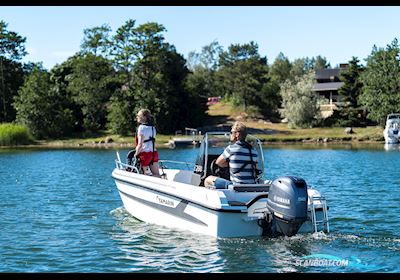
(237, 155)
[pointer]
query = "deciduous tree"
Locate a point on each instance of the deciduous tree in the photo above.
(41, 108)
(12, 49)
(300, 105)
(91, 83)
(381, 79)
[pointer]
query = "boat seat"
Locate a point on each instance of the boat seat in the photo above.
(183, 176)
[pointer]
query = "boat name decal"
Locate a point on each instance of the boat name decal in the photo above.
(165, 201)
(281, 199)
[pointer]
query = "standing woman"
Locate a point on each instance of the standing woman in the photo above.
(145, 143)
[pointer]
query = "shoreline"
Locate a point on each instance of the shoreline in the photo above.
(163, 145)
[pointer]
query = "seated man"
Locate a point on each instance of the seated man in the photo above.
(242, 159)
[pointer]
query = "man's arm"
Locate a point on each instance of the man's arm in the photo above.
(221, 161)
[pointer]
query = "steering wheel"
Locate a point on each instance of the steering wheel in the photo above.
(219, 171)
(214, 168)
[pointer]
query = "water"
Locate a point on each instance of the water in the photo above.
(60, 212)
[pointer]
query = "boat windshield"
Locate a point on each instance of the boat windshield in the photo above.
(214, 143)
(393, 117)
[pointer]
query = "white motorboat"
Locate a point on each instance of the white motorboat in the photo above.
(283, 206)
(391, 131)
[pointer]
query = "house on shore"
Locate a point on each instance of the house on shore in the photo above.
(327, 86)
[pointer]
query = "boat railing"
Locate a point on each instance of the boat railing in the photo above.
(163, 164)
(124, 166)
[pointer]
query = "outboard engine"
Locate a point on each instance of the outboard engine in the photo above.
(287, 202)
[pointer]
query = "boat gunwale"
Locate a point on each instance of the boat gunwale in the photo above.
(236, 209)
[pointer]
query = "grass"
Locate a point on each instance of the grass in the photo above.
(14, 134)
(283, 134)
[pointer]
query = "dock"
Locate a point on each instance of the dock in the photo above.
(191, 138)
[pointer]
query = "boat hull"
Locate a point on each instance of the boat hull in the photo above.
(391, 132)
(218, 213)
(391, 139)
(158, 207)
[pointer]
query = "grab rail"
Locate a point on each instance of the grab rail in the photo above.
(124, 166)
(189, 165)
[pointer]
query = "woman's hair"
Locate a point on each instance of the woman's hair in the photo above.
(241, 128)
(145, 116)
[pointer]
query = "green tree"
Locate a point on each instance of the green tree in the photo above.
(299, 102)
(12, 79)
(320, 63)
(153, 76)
(96, 40)
(124, 49)
(352, 86)
(381, 80)
(12, 49)
(280, 69)
(158, 80)
(59, 79)
(243, 73)
(349, 111)
(300, 66)
(202, 79)
(207, 58)
(91, 85)
(40, 108)
(245, 81)
(129, 45)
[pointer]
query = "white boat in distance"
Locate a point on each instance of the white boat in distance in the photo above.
(391, 131)
(283, 206)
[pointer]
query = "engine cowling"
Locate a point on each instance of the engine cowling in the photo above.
(287, 202)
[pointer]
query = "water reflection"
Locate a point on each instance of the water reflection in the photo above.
(392, 147)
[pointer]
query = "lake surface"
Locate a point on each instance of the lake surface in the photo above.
(61, 212)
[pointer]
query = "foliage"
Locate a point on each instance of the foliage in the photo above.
(206, 59)
(300, 66)
(300, 105)
(280, 69)
(154, 76)
(11, 78)
(381, 79)
(41, 108)
(11, 49)
(349, 113)
(121, 117)
(11, 44)
(203, 80)
(96, 40)
(14, 134)
(320, 63)
(59, 79)
(91, 85)
(159, 86)
(243, 74)
(122, 49)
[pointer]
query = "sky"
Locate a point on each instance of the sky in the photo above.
(54, 33)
